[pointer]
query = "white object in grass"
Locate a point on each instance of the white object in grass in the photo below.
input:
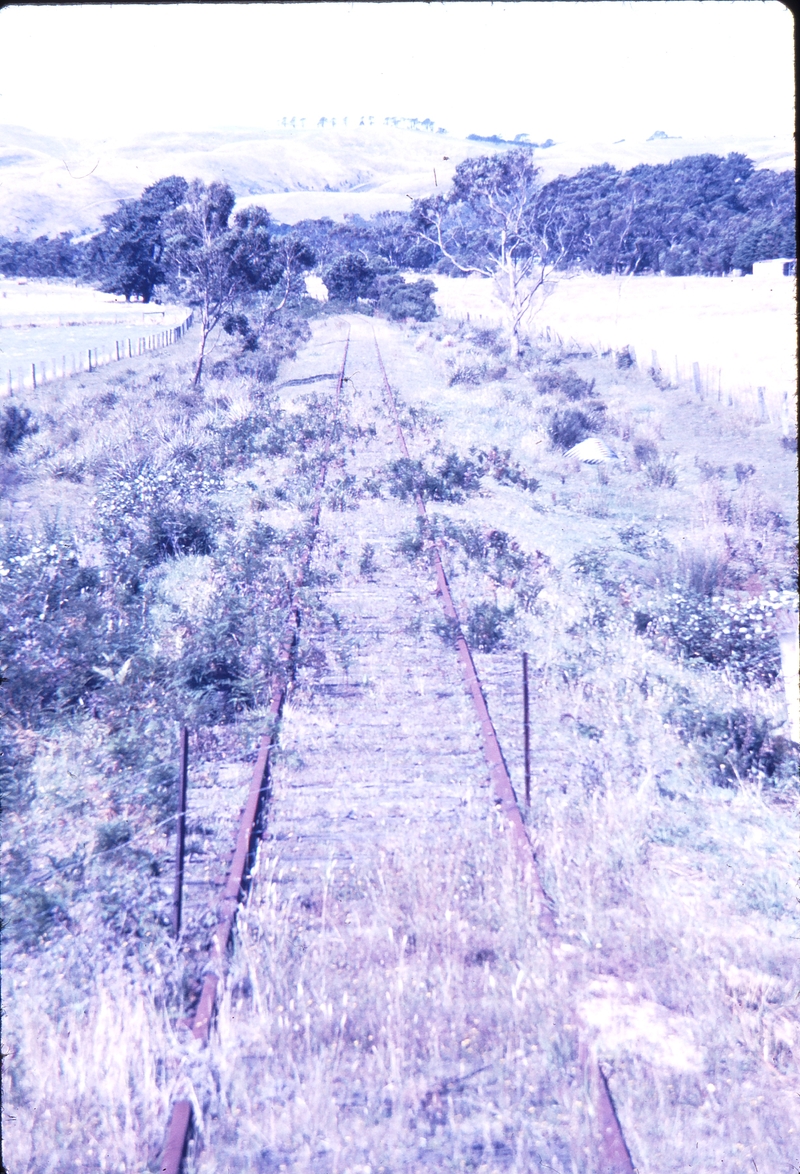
(592, 451)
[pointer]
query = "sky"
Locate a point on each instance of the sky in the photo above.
(601, 70)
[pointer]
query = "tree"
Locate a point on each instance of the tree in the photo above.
(487, 225)
(215, 264)
(127, 255)
(349, 278)
(294, 255)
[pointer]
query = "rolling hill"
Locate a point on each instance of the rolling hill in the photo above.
(50, 185)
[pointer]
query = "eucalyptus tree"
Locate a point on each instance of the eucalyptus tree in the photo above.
(215, 264)
(487, 224)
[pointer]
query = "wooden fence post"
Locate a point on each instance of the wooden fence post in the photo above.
(116, 344)
(762, 407)
(698, 382)
(33, 375)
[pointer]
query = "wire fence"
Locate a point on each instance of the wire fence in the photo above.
(77, 363)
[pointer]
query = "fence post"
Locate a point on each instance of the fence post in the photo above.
(526, 717)
(33, 375)
(116, 344)
(90, 358)
(177, 897)
(785, 415)
(762, 407)
(698, 383)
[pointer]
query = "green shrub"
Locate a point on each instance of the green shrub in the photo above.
(566, 383)
(58, 620)
(722, 633)
(569, 426)
(452, 480)
(499, 465)
(736, 744)
(485, 626)
(15, 424)
(113, 834)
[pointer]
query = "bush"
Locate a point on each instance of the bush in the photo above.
(451, 481)
(399, 299)
(15, 425)
(148, 512)
(660, 471)
(485, 625)
(498, 464)
(58, 620)
(349, 278)
(735, 745)
(569, 426)
(567, 383)
(724, 634)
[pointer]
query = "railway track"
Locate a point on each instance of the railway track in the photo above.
(382, 742)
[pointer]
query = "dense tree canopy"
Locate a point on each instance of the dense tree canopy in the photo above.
(127, 256)
(213, 264)
(701, 214)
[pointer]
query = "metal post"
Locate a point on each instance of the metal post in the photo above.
(526, 717)
(181, 833)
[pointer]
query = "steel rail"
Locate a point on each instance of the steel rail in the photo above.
(614, 1153)
(180, 1121)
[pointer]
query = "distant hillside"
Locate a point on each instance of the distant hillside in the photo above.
(50, 185)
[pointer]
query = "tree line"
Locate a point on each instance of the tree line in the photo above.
(703, 214)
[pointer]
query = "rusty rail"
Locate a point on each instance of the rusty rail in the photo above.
(613, 1151)
(180, 1121)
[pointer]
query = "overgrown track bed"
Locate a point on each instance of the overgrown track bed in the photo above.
(381, 813)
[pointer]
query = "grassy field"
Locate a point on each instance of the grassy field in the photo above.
(149, 524)
(741, 331)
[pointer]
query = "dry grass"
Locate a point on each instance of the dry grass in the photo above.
(412, 1017)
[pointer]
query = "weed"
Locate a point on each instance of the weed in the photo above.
(485, 626)
(367, 565)
(743, 471)
(113, 835)
(707, 470)
(660, 471)
(736, 744)
(644, 543)
(566, 383)
(15, 424)
(500, 466)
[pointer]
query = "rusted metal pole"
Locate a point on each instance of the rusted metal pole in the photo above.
(526, 719)
(181, 1115)
(177, 897)
(612, 1149)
